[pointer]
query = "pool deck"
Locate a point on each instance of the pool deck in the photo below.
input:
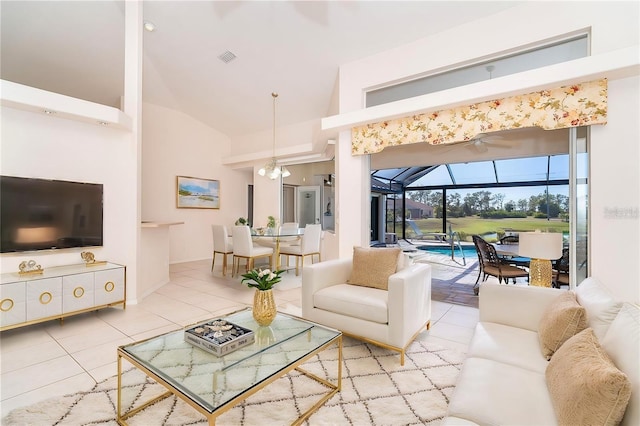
(452, 280)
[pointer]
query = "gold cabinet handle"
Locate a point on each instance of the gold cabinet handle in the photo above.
(78, 292)
(109, 286)
(45, 298)
(6, 305)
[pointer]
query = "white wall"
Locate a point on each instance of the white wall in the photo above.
(303, 174)
(615, 186)
(37, 145)
(612, 25)
(174, 144)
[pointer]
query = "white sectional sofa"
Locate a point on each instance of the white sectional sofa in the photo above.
(504, 379)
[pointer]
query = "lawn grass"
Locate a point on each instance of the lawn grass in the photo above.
(473, 225)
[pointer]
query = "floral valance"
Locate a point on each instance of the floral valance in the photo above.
(567, 106)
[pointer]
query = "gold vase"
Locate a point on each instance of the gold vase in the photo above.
(265, 337)
(264, 307)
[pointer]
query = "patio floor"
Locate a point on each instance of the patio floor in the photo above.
(452, 280)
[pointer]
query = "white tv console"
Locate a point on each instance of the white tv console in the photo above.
(60, 292)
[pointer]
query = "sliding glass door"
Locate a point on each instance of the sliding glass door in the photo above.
(579, 207)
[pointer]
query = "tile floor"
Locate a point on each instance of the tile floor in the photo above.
(49, 359)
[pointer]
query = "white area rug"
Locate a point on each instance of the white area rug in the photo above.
(375, 390)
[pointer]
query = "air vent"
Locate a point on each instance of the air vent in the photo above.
(227, 57)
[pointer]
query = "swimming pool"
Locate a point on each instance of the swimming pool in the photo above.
(469, 251)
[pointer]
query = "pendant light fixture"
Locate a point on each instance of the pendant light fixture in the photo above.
(271, 169)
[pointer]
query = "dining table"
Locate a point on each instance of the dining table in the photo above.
(507, 249)
(510, 253)
(278, 236)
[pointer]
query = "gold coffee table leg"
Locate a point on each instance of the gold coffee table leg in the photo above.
(120, 416)
(334, 388)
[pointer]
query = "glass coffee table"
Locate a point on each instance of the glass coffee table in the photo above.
(213, 385)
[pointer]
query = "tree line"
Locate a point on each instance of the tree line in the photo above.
(490, 204)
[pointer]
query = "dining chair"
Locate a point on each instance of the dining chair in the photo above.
(309, 246)
(561, 270)
(289, 228)
(491, 264)
(243, 248)
(509, 239)
(221, 245)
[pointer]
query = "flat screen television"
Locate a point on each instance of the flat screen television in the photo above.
(41, 214)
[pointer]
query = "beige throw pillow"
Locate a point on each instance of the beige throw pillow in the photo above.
(586, 388)
(562, 319)
(373, 266)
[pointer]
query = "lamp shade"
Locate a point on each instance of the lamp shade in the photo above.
(540, 245)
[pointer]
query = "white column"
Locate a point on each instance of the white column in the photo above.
(132, 105)
(353, 193)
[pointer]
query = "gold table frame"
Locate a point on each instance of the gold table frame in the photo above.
(212, 415)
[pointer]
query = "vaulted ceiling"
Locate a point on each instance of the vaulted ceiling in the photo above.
(293, 48)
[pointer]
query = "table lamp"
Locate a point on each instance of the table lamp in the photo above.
(541, 247)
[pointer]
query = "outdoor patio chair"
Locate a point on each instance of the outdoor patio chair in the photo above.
(509, 239)
(561, 270)
(491, 264)
(419, 235)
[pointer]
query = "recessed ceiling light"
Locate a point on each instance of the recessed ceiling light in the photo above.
(103, 123)
(149, 26)
(49, 112)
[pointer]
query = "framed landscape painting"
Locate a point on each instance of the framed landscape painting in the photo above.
(197, 193)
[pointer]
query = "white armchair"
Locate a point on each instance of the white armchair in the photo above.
(389, 318)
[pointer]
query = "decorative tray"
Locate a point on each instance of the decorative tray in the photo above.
(219, 336)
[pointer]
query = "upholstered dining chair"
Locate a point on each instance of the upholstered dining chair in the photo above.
(491, 264)
(221, 245)
(285, 228)
(243, 248)
(309, 246)
(289, 228)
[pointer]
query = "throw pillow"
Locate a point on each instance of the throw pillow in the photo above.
(585, 386)
(373, 266)
(622, 343)
(600, 305)
(562, 319)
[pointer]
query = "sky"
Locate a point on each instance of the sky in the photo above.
(513, 170)
(515, 194)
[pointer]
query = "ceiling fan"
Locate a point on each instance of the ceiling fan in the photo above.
(482, 142)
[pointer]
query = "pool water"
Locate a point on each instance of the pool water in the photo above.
(469, 251)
